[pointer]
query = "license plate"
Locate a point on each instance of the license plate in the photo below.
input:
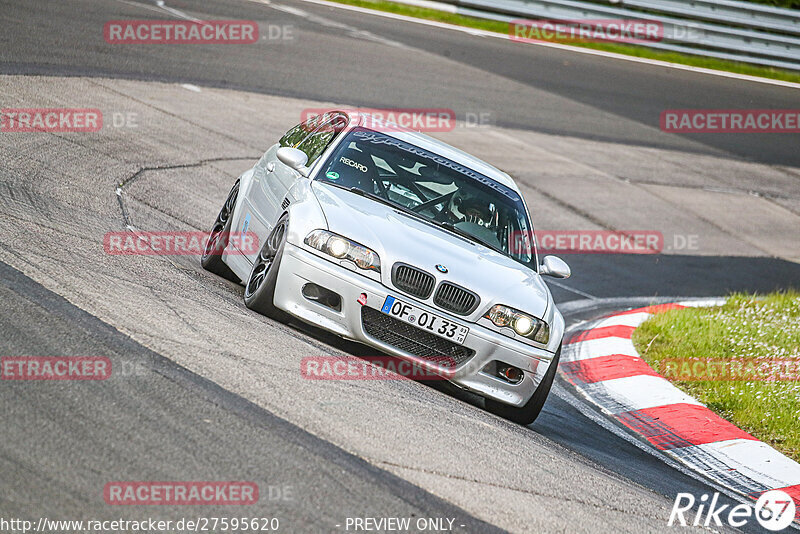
(425, 320)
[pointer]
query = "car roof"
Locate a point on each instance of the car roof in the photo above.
(365, 119)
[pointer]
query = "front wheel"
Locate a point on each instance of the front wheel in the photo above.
(259, 291)
(218, 239)
(527, 414)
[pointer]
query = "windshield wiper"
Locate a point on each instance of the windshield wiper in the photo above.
(377, 198)
(452, 228)
(371, 196)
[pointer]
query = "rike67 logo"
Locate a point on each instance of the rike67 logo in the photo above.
(775, 510)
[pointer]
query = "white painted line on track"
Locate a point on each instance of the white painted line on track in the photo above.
(576, 291)
(755, 459)
(438, 6)
(639, 393)
(176, 12)
(142, 6)
(629, 319)
(322, 21)
(703, 303)
(577, 49)
(604, 346)
(160, 7)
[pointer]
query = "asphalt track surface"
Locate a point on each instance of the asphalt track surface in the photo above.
(168, 422)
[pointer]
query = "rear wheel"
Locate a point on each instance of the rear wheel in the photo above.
(218, 239)
(259, 291)
(527, 414)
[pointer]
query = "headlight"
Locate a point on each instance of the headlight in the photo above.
(522, 323)
(338, 247)
(344, 249)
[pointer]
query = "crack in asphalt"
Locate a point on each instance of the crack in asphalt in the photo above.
(120, 188)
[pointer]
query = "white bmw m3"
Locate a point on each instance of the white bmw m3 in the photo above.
(403, 243)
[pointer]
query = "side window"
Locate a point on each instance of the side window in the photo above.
(316, 143)
(295, 136)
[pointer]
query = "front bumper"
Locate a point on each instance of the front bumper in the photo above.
(299, 267)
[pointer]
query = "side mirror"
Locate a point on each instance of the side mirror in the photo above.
(294, 158)
(555, 267)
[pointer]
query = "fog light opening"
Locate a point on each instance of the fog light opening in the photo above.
(324, 297)
(512, 374)
(507, 373)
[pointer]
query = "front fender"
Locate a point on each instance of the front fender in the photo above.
(305, 213)
(244, 183)
(556, 330)
(554, 318)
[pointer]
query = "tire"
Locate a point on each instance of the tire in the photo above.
(218, 239)
(528, 413)
(259, 290)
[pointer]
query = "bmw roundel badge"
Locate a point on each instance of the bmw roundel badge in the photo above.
(441, 268)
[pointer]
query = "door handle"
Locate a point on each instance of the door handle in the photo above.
(270, 166)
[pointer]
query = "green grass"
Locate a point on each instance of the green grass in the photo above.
(626, 49)
(747, 328)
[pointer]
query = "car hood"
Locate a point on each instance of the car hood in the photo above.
(399, 237)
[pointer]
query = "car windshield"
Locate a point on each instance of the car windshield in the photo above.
(434, 188)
